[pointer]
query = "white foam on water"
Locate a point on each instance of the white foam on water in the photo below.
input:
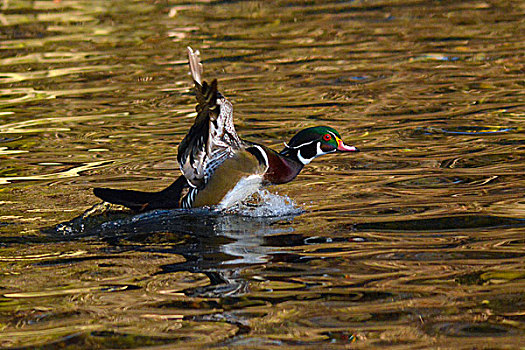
(263, 204)
(266, 204)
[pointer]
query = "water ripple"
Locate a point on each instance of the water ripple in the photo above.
(415, 242)
(73, 172)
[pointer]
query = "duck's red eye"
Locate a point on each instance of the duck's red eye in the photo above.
(327, 137)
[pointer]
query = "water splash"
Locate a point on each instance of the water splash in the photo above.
(109, 220)
(266, 204)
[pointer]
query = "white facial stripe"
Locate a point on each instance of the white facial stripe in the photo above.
(301, 145)
(334, 135)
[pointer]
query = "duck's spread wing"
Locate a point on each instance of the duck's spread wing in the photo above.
(212, 138)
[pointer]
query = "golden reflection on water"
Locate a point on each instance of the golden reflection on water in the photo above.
(415, 242)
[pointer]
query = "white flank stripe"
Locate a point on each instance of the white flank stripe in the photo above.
(266, 163)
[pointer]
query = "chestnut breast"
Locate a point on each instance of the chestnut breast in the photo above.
(281, 169)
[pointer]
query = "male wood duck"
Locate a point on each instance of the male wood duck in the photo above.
(219, 168)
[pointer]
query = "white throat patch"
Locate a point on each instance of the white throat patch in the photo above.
(308, 160)
(302, 159)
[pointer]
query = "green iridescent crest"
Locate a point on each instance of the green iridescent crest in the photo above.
(325, 134)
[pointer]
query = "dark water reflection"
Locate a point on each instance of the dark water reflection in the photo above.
(416, 242)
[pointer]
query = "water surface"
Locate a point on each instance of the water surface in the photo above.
(416, 242)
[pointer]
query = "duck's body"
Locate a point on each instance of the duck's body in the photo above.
(218, 167)
(236, 178)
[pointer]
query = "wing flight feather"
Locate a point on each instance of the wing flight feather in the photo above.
(212, 138)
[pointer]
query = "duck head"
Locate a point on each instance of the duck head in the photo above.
(313, 142)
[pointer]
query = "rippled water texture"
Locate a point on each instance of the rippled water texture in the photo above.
(418, 241)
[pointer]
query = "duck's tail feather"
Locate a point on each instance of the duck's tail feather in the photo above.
(195, 65)
(168, 198)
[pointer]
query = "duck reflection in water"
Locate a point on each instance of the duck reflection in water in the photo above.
(216, 244)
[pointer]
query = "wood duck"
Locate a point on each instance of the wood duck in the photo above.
(218, 167)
